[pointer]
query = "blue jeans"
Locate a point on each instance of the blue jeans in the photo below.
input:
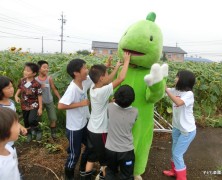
(181, 142)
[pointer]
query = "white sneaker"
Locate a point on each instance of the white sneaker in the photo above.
(100, 175)
(97, 177)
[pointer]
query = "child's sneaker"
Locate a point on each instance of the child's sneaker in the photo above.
(53, 136)
(100, 175)
(33, 132)
(38, 136)
(53, 133)
(29, 138)
(69, 174)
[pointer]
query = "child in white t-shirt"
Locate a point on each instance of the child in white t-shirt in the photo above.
(9, 131)
(184, 128)
(98, 122)
(75, 102)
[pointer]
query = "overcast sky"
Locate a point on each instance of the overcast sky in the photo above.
(194, 25)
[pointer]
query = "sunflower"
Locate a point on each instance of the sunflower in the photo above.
(19, 49)
(12, 49)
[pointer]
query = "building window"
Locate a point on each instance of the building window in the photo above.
(110, 51)
(179, 56)
(169, 56)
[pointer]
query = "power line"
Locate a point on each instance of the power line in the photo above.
(36, 8)
(24, 26)
(78, 37)
(27, 31)
(15, 37)
(18, 22)
(28, 37)
(18, 35)
(201, 41)
(72, 37)
(210, 53)
(77, 42)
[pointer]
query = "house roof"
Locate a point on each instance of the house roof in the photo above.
(113, 45)
(168, 49)
(108, 45)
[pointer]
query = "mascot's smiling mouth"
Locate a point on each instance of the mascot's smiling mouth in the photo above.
(133, 53)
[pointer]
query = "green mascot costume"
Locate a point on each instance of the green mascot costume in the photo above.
(148, 79)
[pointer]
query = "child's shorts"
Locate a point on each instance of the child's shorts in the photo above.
(50, 109)
(96, 145)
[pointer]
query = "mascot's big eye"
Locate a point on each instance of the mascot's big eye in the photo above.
(151, 38)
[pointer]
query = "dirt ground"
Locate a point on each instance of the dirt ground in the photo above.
(203, 158)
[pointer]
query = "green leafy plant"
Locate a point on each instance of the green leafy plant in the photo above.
(207, 90)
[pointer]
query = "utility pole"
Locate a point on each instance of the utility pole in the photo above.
(63, 22)
(176, 44)
(42, 45)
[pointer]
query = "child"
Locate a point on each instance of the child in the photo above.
(119, 143)
(75, 102)
(9, 131)
(184, 128)
(31, 100)
(6, 92)
(98, 123)
(47, 98)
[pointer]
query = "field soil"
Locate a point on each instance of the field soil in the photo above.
(203, 158)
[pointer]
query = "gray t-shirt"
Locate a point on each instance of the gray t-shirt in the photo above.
(46, 90)
(121, 121)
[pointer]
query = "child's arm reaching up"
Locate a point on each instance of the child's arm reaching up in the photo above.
(113, 74)
(109, 62)
(123, 72)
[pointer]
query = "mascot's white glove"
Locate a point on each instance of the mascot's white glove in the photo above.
(157, 73)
